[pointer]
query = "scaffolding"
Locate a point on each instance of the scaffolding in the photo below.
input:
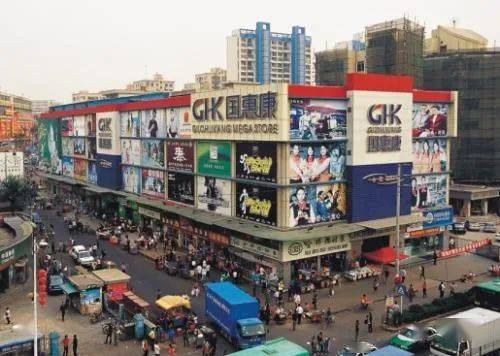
(396, 47)
(331, 66)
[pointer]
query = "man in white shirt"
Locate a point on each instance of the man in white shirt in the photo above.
(299, 311)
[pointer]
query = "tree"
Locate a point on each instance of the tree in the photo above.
(14, 190)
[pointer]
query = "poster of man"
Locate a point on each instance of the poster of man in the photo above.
(79, 146)
(429, 120)
(428, 191)
(173, 122)
(214, 195)
(256, 203)
(153, 123)
(317, 162)
(430, 156)
(92, 173)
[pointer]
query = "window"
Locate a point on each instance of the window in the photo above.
(360, 66)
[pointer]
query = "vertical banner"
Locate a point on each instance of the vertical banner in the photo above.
(67, 167)
(131, 152)
(153, 153)
(92, 173)
(49, 138)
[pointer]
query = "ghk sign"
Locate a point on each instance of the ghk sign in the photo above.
(105, 124)
(384, 114)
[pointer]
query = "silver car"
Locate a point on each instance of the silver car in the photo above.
(358, 349)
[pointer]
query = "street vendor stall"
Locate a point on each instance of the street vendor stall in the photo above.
(177, 308)
(87, 295)
(115, 283)
(134, 304)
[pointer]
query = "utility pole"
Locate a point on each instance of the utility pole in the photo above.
(35, 311)
(398, 242)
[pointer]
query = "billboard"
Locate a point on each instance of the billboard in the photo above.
(439, 217)
(214, 195)
(430, 156)
(153, 123)
(91, 124)
(256, 161)
(428, 191)
(153, 183)
(130, 124)
(80, 169)
(108, 133)
(214, 158)
(318, 162)
(178, 123)
(79, 126)
(180, 155)
(49, 145)
(92, 173)
(79, 146)
(153, 153)
(180, 188)
(256, 203)
(131, 179)
(67, 126)
(13, 164)
(91, 148)
(314, 204)
(109, 174)
(317, 119)
(67, 166)
(131, 152)
(429, 120)
(68, 146)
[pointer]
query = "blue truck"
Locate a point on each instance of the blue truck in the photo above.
(235, 314)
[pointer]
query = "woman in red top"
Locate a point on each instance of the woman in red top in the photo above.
(65, 343)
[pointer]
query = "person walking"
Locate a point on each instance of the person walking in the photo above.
(403, 274)
(411, 293)
(156, 349)
(356, 330)
(369, 322)
(424, 289)
(375, 284)
(65, 344)
(8, 318)
(294, 319)
(144, 347)
(75, 345)
(299, 311)
(441, 288)
(62, 308)
(422, 272)
(328, 318)
(435, 257)
(315, 300)
(109, 332)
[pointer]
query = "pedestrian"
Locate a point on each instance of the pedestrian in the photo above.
(319, 341)
(386, 274)
(369, 322)
(411, 293)
(294, 319)
(75, 345)
(158, 294)
(403, 275)
(356, 330)
(124, 268)
(422, 272)
(328, 317)
(144, 347)
(65, 344)
(315, 300)
(435, 257)
(296, 299)
(424, 289)
(375, 284)
(109, 332)
(8, 317)
(171, 350)
(331, 291)
(441, 288)
(299, 311)
(62, 308)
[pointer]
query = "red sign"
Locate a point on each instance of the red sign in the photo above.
(425, 232)
(466, 248)
(180, 155)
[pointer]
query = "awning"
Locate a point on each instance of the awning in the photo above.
(173, 301)
(97, 190)
(111, 275)
(381, 224)
(68, 288)
(384, 255)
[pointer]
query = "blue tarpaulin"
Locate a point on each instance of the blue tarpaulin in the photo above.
(68, 288)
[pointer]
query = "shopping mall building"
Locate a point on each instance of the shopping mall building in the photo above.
(281, 176)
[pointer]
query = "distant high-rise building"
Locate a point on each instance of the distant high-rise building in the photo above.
(262, 56)
(16, 116)
(214, 79)
(157, 84)
(40, 106)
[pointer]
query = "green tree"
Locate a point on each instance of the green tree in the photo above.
(14, 190)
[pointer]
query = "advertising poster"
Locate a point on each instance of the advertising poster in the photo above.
(91, 124)
(67, 126)
(428, 191)
(430, 156)
(153, 123)
(80, 169)
(79, 126)
(49, 145)
(79, 146)
(130, 124)
(316, 204)
(177, 122)
(131, 152)
(108, 133)
(131, 179)
(214, 195)
(153, 153)
(153, 183)
(67, 166)
(181, 188)
(214, 158)
(91, 149)
(109, 174)
(256, 203)
(92, 173)
(429, 120)
(317, 162)
(317, 119)
(256, 161)
(13, 164)
(68, 146)
(180, 155)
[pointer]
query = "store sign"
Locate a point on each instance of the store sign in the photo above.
(296, 250)
(426, 232)
(256, 203)
(180, 155)
(214, 158)
(108, 133)
(149, 213)
(381, 178)
(255, 248)
(385, 133)
(7, 256)
(439, 217)
(256, 161)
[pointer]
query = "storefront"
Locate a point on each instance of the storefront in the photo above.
(129, 210)
(150, 219)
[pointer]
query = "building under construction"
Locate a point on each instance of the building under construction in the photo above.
(396, 47)
(332, 65)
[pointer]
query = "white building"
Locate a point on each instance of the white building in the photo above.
(85, 95)
(212, 80)
(39, 106)
(157, 84)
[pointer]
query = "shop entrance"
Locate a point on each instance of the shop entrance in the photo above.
(423, 245)
(4, 280)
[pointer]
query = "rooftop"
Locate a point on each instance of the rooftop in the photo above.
(469, 188)
(14, 230)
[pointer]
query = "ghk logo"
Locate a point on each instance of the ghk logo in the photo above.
(384, 114)
(105, 124)
(204, 109)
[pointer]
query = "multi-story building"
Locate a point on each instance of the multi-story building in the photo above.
(445, 38)
(16, 116)
(40, 106)
(190, 86)
(85, 95)
(284, 177)
(262, 56)
(214, 79)
(157, 84)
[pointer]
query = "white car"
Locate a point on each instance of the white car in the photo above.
(490, 227)
(85, 258)
(474, 227)
(75, 249)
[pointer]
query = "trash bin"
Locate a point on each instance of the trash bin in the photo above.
(54, 343)
(139, 326)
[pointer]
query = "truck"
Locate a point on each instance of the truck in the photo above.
(235, 313)
(469, 333)
(279, 346)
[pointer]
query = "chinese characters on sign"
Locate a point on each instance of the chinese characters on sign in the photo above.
(256, 161)
(381, 137)
(253, 247)
(180, 155)
(315, 247)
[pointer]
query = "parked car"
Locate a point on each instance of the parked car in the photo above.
(54, 284)
(459, 228)
(358, 349)
(474, 227)
(74, 251)
(490, 227)
(85, 258)
(413, 338)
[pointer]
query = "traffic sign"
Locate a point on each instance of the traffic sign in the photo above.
(401, 289)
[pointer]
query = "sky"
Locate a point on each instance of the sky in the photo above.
(52, 48)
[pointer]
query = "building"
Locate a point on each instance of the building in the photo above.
(262, 56)
(157, 84)
(85, 95)
(16, 116)
(11, 164)
(284, 177)
(119, 93)
(190, 86)
(214, 79)
(40, 106)
(445, 38)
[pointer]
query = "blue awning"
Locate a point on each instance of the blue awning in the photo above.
(68, 288)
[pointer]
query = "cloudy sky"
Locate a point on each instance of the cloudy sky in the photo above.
(51, 48)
